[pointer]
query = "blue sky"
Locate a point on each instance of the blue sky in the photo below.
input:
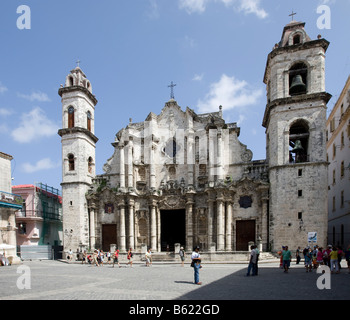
(214, 50)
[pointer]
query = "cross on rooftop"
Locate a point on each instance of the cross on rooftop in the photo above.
(292, 15)
(78, 63)
(172, 85)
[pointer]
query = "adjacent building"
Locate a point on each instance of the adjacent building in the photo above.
(338, 155)
(9, 204)
(39, 222)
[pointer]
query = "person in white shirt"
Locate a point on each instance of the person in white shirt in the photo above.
(196, 264)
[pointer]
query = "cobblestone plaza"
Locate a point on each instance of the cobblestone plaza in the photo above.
(55, 280)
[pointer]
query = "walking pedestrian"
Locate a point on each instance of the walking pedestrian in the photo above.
(280, 253)
(95, 258)
(70, 255)
(182, 255)
(347, 257)
(252, 262)
(116, 257)
(326, 258)
(340, 256)
(287, 258)
(297, 255)
(196, 264)
(84, 257)
(319, 258)
(148, 256)
(108, 257)
(101, 255)
(257, 259)
(334, 260)
(308, 259)
(129, 257)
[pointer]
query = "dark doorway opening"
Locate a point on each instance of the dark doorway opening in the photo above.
(173, 229)
(245, 233)
(109, 236)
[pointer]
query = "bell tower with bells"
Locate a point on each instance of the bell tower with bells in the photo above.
(295, 122)
(78, 157)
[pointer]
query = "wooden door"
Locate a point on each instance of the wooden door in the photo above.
(245, 233)
(109, 236)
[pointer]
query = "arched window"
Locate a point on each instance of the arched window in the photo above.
(299, 142)
(296, 39)
(171, 148)
(71, 164)
(90, 164)
(70, 117)
(298, 79)
(88, 120)
(70, 81)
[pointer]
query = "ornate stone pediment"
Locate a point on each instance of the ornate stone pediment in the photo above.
(172, 202)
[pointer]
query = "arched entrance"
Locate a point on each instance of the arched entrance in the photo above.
(173, 228)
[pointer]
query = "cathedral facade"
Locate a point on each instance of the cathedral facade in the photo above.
(182, 178)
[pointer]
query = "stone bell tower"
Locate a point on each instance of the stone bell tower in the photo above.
(295, 122)
(78, 157)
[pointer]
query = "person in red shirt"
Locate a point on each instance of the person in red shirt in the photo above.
(116, 257)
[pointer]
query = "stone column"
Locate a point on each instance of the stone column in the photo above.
(152, 168)
(189, 223)
(131, 224)
(229, 225)
(212, 155)
(153, 226)
(220, 223)
(219, 156)
(264, 226)
(122, 240)
(158, 229)
(130, 166)
(264, 229)
(92, 228)
(122, 168)
(191, 158)
(210, 220)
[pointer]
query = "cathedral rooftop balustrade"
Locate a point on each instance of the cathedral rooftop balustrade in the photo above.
(258, 169)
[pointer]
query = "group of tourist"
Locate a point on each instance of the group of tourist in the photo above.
(98, 258)
(330, 256)
(316, 256)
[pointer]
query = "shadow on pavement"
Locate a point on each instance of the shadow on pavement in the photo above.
(272, 284)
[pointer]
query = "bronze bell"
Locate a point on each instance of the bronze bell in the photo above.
(298, 86)
(297, 147)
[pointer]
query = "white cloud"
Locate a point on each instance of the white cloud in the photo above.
(153, 11)
(43, 164)
(229, 92)
(35, 96)
(34, 125)
(198, 77)
(3, 128)
(193, 6)
(3, 89)
(253, 6)
(246, 6)
(5, 112)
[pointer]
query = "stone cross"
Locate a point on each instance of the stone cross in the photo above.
(292, 15)
(172, 85)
